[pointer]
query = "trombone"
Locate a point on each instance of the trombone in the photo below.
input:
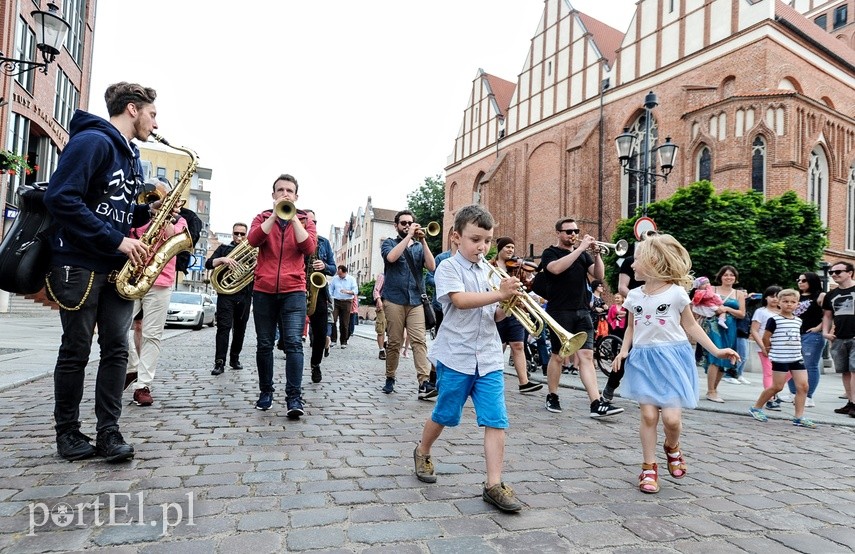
(531, 316)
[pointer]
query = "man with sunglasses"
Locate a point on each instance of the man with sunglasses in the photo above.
(232, 309)
(571, 264)
(839, 309)
(405, 257)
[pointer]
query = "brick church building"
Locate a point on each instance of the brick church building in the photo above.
(757, 94)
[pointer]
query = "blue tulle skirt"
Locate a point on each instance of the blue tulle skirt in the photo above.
(662, 374)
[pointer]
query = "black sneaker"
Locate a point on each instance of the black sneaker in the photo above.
(552, 403)
(295, 408)
(389, 387)
(382, 355)
(235, 364)
(316, 374)
(603, 408)
(845, 409)
(427, 390)
(112, 447)
(74, 445)
(219, 367)
(530, 387)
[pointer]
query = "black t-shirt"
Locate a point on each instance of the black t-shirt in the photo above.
(569, 289)
(626, 269)
(842, 304)
(808, 311)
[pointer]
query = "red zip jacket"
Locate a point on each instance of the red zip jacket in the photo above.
(281, 259)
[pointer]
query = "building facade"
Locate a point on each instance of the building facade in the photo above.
(758, 94)
(357, 246)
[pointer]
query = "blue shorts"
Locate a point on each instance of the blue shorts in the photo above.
(487, 392)
(510, 330)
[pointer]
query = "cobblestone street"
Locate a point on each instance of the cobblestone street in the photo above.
(212, 474)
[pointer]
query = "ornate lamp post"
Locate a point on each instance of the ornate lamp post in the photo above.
(51, 29)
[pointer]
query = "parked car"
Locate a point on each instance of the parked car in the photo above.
(190, 309)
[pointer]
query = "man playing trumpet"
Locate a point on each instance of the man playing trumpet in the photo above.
(284, 237)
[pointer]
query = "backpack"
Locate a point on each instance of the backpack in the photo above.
(25, 252)
(194, 227)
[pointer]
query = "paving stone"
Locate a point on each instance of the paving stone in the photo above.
(318, 517)
(392, 532)
(51, 542)
(257, 543)
(200, 546)
(262, 520)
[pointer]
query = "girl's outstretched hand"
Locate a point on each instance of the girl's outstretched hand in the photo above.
(618, 361)
(728, 353)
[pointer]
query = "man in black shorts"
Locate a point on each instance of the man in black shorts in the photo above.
(570, 263)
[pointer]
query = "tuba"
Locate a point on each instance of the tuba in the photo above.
(229, 280)
(134, 281)
(533, 318)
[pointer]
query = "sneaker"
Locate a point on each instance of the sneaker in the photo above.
(344, 345)
(74, 445)
(608, 394)
(130, 378)
(845, 409)
(603, 408)
(265, 400)
(773, 406)
(316, 374)
(502, 497)
(552, 403)
(427, 390)
(112, 447)
(804, 422)
(743, 380)
(295, 408)
(382, 355)
(219, 367)
(809, 402)
(530, 387)
(142, 397)
(732, 380)
(757, 414)
(235, 364)
(389, 387)
(784, 397)
(424, 467)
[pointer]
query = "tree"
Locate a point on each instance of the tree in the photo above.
(366, 293)
(427, 204)
(768, 242)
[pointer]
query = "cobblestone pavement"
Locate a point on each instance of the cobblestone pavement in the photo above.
(212, 474)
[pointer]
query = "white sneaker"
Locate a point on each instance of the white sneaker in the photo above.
(809, 403)
(731, 380)
(743, 380)
(784, 397)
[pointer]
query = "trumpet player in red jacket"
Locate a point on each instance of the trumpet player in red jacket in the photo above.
(284, 237)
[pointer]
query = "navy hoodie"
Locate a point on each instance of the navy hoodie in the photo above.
(90, 228)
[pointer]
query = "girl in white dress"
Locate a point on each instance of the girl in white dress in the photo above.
(660, 363)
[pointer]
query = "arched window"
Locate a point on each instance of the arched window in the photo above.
(758, 165)
(817, 190)
(850, 210)
(632, 185)
(704, 171)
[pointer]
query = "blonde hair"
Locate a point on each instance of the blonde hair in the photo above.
(665, 259)
(789, 292)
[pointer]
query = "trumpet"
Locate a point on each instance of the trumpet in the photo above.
(532, 317)
(286, 210)
(621, 247)
(433, 228)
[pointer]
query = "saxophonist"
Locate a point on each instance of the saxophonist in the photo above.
(232, 309)
(323, 261)
(283, 238)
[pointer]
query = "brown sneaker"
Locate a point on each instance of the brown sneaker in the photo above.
(142, 397)
(502, 496)
(424, 467)
(847, 409)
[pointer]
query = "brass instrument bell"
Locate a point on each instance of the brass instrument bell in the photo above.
(286, 210)
(433, 229)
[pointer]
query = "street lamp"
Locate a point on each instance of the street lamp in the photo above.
(664, 154)
(51, 29)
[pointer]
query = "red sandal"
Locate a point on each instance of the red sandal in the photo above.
(648, 481)
(676, 464)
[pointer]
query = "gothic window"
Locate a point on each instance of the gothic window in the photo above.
(634, 194)
(705, 165)
(850, 210)
(758, 165)
(817, 190)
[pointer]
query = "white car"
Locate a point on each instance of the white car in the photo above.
(190, 309)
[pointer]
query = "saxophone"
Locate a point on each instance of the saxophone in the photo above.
(134, 281)
(228, 280)
(315, 281)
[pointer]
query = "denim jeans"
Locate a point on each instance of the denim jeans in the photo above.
(232, 315)
(289, 309)
(812, 345)
(112, 314)
(742, 350)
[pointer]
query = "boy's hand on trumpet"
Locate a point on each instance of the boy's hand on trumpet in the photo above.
(509, 287)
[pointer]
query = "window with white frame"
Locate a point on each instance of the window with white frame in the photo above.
(633, 190)
(817, 189)
(74, 11)
(17, 142)
(67, 99)
(758, 165)
(25, 49)
(850, 210)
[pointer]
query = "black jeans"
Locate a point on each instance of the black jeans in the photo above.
(232, 315)
(318, 329)
(270, 309)
(112, 314)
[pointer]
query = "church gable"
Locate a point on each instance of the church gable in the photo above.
(484, 115)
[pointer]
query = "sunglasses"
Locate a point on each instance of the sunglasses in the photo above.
(570, 231)
(237, 234)
(838, 271)
(405, 223)
(801, 280)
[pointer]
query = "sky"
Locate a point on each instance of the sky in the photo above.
(354, 99)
